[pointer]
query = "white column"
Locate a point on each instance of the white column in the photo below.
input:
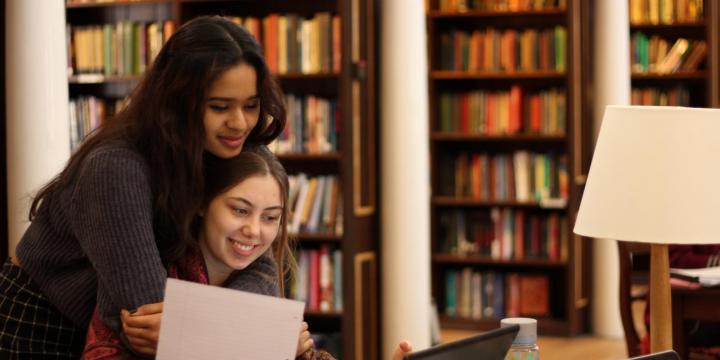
(405, 175)
(612, 87)
(38, 138)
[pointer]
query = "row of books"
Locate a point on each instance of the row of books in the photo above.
(665, 11)
(500, 5)
(655, 54)
(509, 50)
(318, 281)
(311, 126)
(504, 234)
(87, 113)
(495, 295)
(504, 112)
(294, 44)
(316, 204)
(674, 96)
(123, 48)
(522, 176)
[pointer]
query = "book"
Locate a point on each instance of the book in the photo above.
(534, 299)
(704, 276)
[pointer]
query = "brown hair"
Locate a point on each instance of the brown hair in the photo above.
(163, 121)
(255, 160)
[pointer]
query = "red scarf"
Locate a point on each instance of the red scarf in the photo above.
(101, 343)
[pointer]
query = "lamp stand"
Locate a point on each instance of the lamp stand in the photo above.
(660, 301)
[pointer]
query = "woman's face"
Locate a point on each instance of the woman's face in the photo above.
(241, 224)
(232, 109)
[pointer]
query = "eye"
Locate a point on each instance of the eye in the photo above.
(271, 218)
(252, 105)
(240, 211)
(217, 107)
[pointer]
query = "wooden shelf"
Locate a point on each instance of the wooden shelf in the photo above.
(449, 201)
(320, 238)
(437, 14)
(694, 75)
(546, 326)
(99, 4)
(675, 26)
(451, 259)
(440, 136)
(465, 75)
(101, 79)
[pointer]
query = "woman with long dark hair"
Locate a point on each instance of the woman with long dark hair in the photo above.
(103, 231)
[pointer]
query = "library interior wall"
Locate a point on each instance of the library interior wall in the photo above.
(612, 87)
(405, 169)
(38, 139)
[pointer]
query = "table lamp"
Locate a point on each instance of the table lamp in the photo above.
(655, 178)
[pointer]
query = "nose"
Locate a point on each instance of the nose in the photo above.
(251, 228)
(237, 121)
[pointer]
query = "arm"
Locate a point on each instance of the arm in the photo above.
(113, 222)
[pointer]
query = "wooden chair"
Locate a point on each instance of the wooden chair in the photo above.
(634, 275)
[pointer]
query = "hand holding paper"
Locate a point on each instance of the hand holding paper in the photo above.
(203, 322)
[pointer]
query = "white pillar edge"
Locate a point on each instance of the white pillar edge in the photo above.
(36, 88)
(612, 87)
(405, 176)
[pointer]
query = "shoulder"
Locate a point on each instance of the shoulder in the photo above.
(113, 167)
(114, 157)
(115, 150)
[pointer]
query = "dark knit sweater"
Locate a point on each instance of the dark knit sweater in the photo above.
(93, 242)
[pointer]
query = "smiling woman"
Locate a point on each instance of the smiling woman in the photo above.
(240, 225)
(245, 214)
(104, 230)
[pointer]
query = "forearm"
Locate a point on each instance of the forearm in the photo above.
(113, 222)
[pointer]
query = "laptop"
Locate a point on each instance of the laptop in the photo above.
(491, 345)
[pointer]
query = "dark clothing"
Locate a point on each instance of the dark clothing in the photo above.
(31, 327)
(92, 243)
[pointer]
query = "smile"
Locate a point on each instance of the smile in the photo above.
(232, 141)
(242, 248)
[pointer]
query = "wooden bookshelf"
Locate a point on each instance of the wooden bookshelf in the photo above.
(351, 85)
(686, 84)
(460, 88)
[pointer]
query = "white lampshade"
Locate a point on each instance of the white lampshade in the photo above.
(654, 177)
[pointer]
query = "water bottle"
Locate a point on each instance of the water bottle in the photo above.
(524, 347)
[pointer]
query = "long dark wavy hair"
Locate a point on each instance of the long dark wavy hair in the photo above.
(164, 122)
(255, 160)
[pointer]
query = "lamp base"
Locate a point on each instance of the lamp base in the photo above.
(660, 300)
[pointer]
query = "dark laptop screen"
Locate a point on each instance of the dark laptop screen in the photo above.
(491, 345)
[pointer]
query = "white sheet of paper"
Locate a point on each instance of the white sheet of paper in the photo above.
(209, 322)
